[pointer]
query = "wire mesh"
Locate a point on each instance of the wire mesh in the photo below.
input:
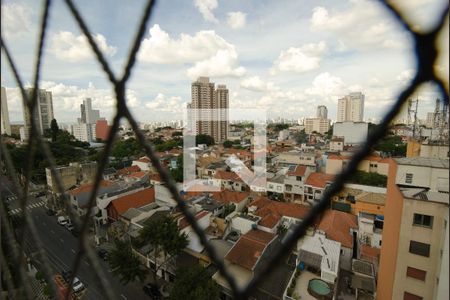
(426, 54)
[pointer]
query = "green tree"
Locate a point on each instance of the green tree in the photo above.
(228, 144)
(301, 137)
(372, 179)
(228, 209)
(125, 148)
(194, 284)
(165, 237)
(54, 129)
(204, 139)
(392, 145)
(177, 133)
(177, 173)
(125, 264)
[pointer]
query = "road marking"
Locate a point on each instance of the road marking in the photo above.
(123, 296)
(61, 240)
(52, 231)
(73, 251)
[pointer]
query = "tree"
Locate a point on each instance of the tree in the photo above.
(54, 129)
(204, 139)
(165, 237)
(177, 173)
(228, 209)
(301, 137)
(365, 178)
(125, 264)
(194, 284)
(228, 144)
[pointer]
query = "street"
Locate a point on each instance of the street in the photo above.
(61, 247)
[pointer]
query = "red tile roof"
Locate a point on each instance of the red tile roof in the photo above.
(155, 177)
(319, 180)
(227, 196)
(183, 222)
(88, 187)
(266, 206)
(270, 220)
(135, 200)
(369, 253)
(224, 175)
(144, 159)
(299, 171)
(137, 174)
(336, 225)
(238, 152)
(339, 157)
(128, 170)
(249, 248)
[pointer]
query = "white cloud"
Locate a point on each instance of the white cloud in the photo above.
(236, 19)
(15, 19)
(66, 46)
(362, 26)
(211, 54)
(162, 103)
(254, 83)
(303, 59)
(327, 86)
(206, 7)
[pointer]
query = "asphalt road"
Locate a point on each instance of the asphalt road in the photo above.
(61, 248)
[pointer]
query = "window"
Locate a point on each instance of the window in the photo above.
(409, 178)
(423, 220)
(409, 296)
(419, 248)
(416, 273)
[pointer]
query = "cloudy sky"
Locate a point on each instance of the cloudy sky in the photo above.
(287, 57)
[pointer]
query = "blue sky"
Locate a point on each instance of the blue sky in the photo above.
(284, 56)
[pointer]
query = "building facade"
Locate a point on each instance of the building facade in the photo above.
(209, 109)
(43, 114)
(317, 124)
(413, 252)
(5, 124)
(351, 108)
(322, 112)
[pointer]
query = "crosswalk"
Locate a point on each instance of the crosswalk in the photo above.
(29, 207)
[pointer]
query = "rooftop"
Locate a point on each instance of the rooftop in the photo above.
(299, 171)
(249, 248)
(337, 224)
(423, 162)
(424, 194)
(134, 200)
(319, 180)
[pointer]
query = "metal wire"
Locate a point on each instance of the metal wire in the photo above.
(426, 54)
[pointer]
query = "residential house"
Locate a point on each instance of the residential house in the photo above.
(286, 159)
(315, 184)
(371, 164)
(229, 180)
(294, 182)
(144, 163)
(340, 227)
(134, 200)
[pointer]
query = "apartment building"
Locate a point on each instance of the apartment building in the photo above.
(414, 254)
(209, 109)
(42, 115)
(4, 121)
(351, 108)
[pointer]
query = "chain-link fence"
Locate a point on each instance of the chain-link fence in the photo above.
(426, 54)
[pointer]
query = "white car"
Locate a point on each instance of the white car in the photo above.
(77, 285)
(63, 220)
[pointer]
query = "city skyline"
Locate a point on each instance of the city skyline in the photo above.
(296, 54)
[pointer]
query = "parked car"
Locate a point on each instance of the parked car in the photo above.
(152, 290)
(103, 254)
(50, 212)
(66, 274)
(63, 220)
(77, 285)
(70, 226)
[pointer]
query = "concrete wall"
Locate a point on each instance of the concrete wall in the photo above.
(426, 177)
(353, 133)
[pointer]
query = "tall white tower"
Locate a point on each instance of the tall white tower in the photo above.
(5, 125)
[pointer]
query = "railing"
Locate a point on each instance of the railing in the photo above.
(426, 55)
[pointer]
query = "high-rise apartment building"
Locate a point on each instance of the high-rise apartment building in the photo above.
(414, 252)
(88, 115)
(85, 130)
(320, 124)
(42, 115)
(5, 125)
(351, 108)
(209, 109)
(322, 112)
